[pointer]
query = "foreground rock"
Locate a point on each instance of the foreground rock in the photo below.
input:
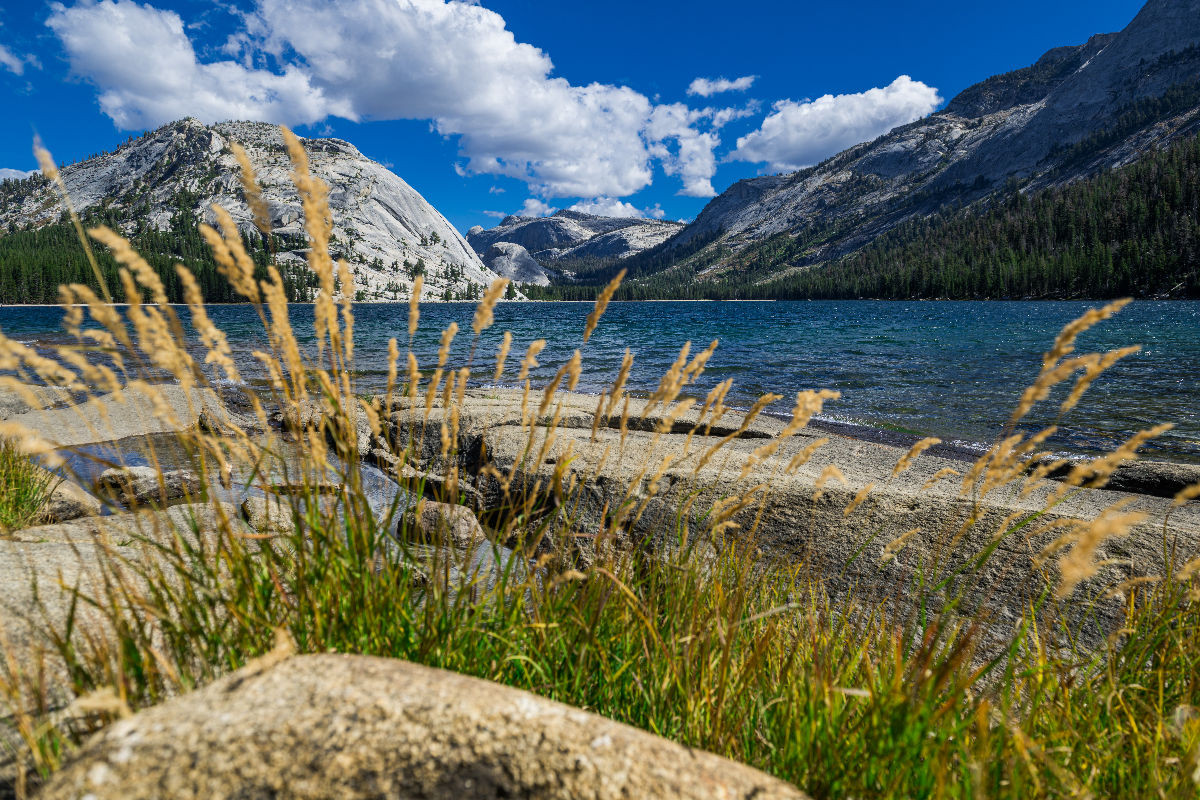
(139, 486)
(907, 520)
(138, 411)
(442, 523)
(335, 726)
(69, 501)
(39, 568)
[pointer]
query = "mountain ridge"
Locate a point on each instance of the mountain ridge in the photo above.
(382, 226)
(1032, 126)
(568, 241)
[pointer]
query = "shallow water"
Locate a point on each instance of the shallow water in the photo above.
(952, 369)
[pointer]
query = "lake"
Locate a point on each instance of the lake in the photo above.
(951, 369)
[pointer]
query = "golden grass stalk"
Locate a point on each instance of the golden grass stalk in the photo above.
(602, 301)
(530, 362)
(447, 338)
(896, 545)
(1080, 562)
(502, 355)
(858, 500)
(251, 191)
(483, 312)
(414, 305)
(908, 458)
(831, 472)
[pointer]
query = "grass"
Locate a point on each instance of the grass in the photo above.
(24, 488)
(701, 639)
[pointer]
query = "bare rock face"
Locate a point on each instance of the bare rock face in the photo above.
(512, 261)
(338, 726)
(567, 236)
(382, 226)
(1032, 125)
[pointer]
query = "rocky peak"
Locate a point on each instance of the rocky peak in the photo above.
(1078, 110)
(568, 235)
(382, 226)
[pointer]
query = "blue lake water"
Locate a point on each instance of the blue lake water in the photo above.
(952, 369)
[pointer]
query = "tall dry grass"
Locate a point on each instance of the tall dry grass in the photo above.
(699, 638)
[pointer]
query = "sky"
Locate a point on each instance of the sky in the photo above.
(622, 107)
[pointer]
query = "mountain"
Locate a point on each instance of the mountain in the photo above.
(573, 242)
(511, 260)
(381, 225)
(1077, 112)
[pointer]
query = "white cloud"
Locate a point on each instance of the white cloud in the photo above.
(495, 214)
(723, 116)
(495, 190)
(449, 61)
(16, 174)
(795, 134)
(10, 62)
(612, 207)
(165, 81)
(535, 208)
(707, 87)
(15, 63)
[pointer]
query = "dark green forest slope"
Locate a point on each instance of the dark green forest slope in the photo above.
(34, 262)
(1129, 231)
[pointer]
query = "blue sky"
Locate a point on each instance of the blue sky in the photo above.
(502, 106)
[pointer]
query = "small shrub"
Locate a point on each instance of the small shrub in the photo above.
(24, 488)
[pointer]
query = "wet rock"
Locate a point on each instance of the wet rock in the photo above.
(358, 727)
(132, 486)
(1156, 478)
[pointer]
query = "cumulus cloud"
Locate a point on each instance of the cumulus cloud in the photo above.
(613, 207)
(796, 135)
(707, 87)
(166, 81)
(534, 207)
(7, 173)
(449, 61)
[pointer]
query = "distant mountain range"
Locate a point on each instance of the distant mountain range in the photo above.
(1071, 177)
(1078, 112)
(565, 244)
(382, 226)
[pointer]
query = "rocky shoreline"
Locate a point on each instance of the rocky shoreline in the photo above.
(802, 520)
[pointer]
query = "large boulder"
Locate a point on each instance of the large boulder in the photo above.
(920, 507)
(442, 523)
(136, 486)
(138, 410)
(339, 726)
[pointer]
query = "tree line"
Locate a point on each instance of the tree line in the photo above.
(35, 261)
